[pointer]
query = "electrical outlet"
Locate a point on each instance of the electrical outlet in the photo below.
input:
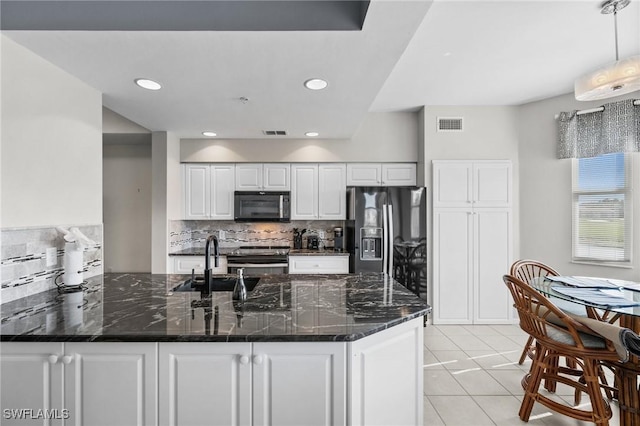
(221, 234)
(321, 235)
(51, 255)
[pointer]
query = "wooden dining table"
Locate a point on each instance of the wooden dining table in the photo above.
(614, 301)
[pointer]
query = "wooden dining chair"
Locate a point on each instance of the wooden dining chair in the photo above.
(557, 335)
(416, 265)
(526, 270)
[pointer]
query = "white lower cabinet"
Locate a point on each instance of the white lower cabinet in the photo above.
(375, 380)
(299, 383)
(185, 264)
(472, 250)
(318, 264)
(387, 377)
(205, 384)
(31, 379)
(260, 383)
(80, 383)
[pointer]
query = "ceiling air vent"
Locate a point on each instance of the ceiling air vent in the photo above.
(275, 132)
(450, 124)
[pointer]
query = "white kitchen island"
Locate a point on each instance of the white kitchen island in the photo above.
(302, 350)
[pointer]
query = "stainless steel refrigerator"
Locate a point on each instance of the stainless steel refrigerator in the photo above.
(386, 232)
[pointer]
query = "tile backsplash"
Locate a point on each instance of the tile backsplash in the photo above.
(186, 234)
(23, 263)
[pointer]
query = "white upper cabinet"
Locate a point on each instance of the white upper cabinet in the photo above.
(197, 191)
(318, 191)
(222, 188)
(263, 177)
(208, 191)
(248, 177)
(332, 191)
(472, 183)
(381, 174)
(398, 174)
(276, 177)
(304, 191)
(364, 174)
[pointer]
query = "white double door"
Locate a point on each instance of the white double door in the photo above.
(252, 384)
(472, 241)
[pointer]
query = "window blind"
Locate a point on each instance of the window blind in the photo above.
(602, 209)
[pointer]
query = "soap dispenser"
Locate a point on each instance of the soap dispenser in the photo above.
(240, 289)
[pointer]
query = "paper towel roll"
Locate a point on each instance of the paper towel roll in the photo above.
(72, 263)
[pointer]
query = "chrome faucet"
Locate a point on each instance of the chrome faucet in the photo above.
(207, 260)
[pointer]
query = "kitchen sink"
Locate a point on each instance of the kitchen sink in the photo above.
(217, 284)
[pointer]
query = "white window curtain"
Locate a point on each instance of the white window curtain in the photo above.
(614, 128)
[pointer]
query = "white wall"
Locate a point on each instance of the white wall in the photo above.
(51, 143)
(166, 195)
(388, 137)
(545, 188)
(127, 207)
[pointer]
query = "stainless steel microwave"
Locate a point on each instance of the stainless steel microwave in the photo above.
(262, 206)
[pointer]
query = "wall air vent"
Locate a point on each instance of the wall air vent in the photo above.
(450, 124)
(275, 132)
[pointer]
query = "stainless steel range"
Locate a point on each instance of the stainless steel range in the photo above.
(259, 260)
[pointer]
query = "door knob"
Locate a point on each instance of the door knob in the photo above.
(53, 359)
(67, 359)
(257, 359)
(244, 360)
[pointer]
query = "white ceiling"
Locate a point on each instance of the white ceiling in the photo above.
(409, 54)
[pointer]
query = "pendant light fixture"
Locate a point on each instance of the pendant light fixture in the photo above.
(614, 79)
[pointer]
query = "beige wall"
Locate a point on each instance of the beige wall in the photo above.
(112, 122)
(127, 207)
(383, 137)
(545, 188)
(51, 143)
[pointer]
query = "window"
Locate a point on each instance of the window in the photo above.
(602, 209)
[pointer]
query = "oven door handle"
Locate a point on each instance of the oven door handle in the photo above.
(281, 211)
(257, 265)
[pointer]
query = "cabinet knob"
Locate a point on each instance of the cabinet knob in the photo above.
(53, 359)
(244, 360)
(257, 359)
(67, 359)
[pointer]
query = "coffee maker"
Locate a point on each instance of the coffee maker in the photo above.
(312, 242)
(338, 239)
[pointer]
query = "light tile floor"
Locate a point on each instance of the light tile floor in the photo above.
(472, 377)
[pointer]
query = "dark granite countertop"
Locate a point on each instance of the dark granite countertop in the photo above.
(309, 252)
(143, 307)
(199, 251)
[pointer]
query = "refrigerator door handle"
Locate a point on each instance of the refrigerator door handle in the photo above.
(385, 236)
(390, 240)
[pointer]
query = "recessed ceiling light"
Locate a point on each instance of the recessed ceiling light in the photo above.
(315, 84)
(312, 134)
(145, 83)
(210, 134)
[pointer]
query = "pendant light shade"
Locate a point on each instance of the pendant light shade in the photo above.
(614, 79)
